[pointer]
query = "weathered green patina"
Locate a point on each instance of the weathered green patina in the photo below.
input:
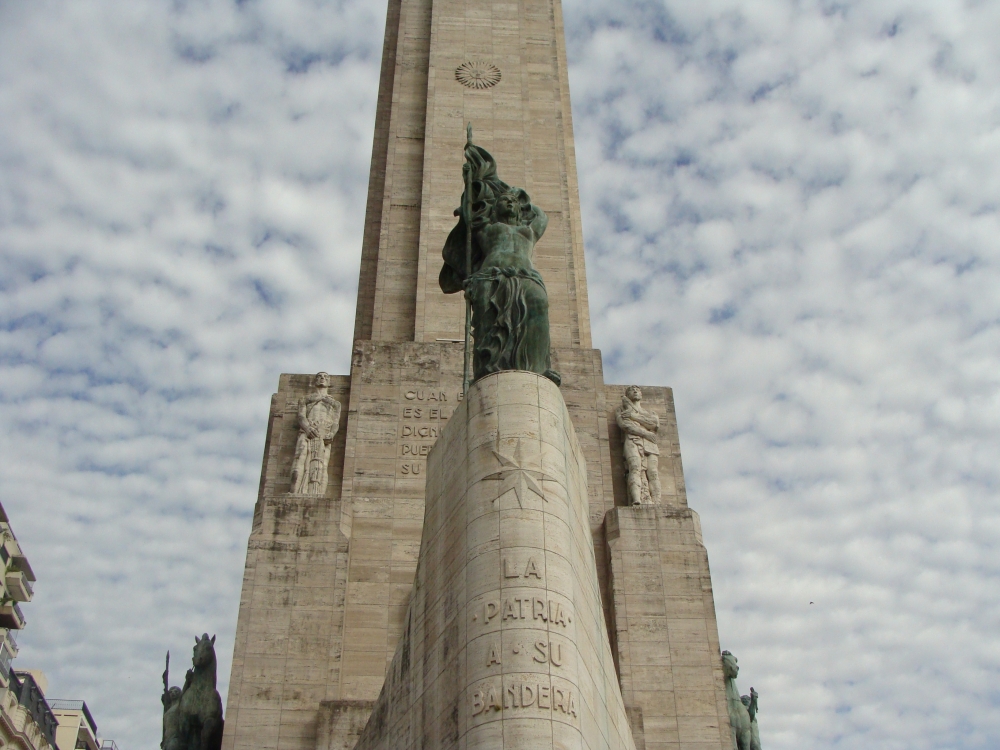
(192, 715)
(510, 306)
(742, 710)
(750, 701)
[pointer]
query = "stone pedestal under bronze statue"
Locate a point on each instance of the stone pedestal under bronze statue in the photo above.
(505, 644)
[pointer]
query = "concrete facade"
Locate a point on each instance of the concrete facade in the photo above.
(328, 579)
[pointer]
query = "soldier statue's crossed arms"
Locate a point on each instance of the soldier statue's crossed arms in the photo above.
(639, 428)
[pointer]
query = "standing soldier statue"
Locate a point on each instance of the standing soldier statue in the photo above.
(639, 428)
(319, 420)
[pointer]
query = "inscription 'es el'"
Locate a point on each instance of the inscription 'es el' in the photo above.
(424, 412)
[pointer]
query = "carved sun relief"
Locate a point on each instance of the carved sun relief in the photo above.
(477, 75)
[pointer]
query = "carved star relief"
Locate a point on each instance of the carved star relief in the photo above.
(515, 477)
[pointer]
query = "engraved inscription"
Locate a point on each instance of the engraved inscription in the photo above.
(420, 431)
(431, 407)
(410, 449)
(422, 394)
(511, 570)
(548, 652)
(521, 608)
(521, 695)
(426, 412)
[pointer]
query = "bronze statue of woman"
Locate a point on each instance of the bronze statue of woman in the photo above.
(510, 307)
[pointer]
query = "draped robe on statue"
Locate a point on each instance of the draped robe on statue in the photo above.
(510, 306)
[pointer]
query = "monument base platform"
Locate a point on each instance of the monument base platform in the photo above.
(504, 644)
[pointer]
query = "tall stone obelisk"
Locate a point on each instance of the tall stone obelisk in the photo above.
(329, 576)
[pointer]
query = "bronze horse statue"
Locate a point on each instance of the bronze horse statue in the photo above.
(742, 713)
(192, 716)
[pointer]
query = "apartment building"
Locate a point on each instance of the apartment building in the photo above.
(26, 721)
(29, 721)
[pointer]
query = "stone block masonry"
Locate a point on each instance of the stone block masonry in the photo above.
(327, 581)
(504, 643)
(329, 578)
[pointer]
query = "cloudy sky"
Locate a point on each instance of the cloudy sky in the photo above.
(791, 217)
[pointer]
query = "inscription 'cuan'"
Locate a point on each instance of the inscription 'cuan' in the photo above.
(424, 395)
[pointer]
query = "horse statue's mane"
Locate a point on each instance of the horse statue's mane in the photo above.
(192, 715)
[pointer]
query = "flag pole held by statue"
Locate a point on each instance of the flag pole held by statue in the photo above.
(467, 215)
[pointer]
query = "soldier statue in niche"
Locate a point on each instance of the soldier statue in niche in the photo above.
(510, 306)
(639, 427)
(318, 421)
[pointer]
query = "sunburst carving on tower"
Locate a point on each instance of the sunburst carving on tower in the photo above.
(478, 75)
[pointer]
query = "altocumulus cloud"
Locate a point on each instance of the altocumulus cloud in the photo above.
(791, 218)
(182, 187)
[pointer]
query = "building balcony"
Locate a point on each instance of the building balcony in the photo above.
(31, 699)
(11, 616)
(77, 729)
(18, 586)
(8, 650)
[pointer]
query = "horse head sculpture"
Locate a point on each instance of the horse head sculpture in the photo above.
(204, 652)
(740, 719)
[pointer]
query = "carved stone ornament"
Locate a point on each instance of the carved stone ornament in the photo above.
(318, 422)
(478, 75)
(639, 427)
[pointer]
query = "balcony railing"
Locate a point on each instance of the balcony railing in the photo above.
(18, 586)
(28, 695)
(11, 616)
(5, 658)
(60, 704)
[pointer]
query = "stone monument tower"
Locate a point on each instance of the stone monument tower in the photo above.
(535, 578)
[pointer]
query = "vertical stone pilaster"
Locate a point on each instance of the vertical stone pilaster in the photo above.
(666, 635)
